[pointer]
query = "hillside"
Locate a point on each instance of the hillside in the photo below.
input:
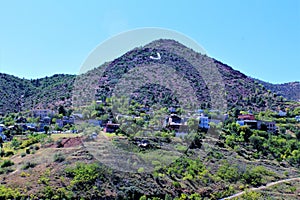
(206, 80)
(21, 94)
(131, 156)
(290, 90)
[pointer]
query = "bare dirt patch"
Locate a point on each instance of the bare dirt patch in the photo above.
(67, 143)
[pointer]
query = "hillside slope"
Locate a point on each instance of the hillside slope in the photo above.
(290, 90)
(205, 77)
(208, 81)
(21, 94)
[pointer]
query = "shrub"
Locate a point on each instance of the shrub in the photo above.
(28, 165)
(8, 153)
(7, 163)
(28, 142)
(228, 172)
(6, 170)
(176, 184)
(255, 175)
(59, 157)
(24, 174)
(141, 170)
(85, 175)
(36, 147)
(249, 195)
(8, 193)
(59, 144)
(15, 143)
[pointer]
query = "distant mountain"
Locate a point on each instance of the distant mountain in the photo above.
(290, 90)
(204, 77)
(21, 94)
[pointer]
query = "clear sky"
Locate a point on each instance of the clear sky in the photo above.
(259, 38)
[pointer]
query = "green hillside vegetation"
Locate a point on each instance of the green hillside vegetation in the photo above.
(144, 158)
(239, 159)
(288, 90)
(21, 94)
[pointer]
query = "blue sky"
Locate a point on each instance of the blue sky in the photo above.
(259, 38)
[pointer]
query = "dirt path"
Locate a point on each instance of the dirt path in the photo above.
(263, 187)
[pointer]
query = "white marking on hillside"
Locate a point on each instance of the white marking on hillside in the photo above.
(156, 58)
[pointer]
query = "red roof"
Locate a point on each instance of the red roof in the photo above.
(246, 117)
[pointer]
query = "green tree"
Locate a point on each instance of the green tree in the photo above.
(192, 124)
(46, 128)
(62, 110)
(1, 143)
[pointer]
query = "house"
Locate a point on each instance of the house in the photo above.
(225, 116)
(281, 113)
(240, 122)
(271, 126)
(256, 124)
(46, 120)
(64, 121)
(3, 137)
(68, 120)
(200, 111)
(42, 113)
(297, 118)
(246, 117)
(111, 127)
(41, 127)
(203, 122)
(253, 124)
(2, 128)
(71, 120)
(173, 122)
(59, 123)
(31, 126)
